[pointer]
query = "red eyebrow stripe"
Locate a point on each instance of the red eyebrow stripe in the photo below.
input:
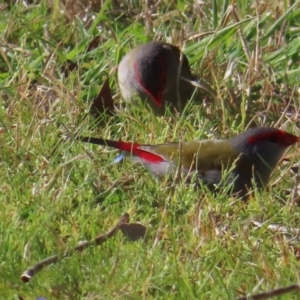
(282, 137)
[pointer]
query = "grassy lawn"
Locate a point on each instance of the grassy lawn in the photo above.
(57, 192)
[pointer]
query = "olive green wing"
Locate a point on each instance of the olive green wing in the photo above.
(197, 155)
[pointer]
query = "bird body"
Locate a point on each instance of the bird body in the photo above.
(159, 74)
(252, 155)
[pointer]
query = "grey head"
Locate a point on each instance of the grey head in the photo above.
(153, 71)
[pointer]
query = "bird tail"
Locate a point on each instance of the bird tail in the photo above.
(134, 148)
(124, 146)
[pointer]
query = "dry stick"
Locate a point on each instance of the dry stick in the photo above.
(272, 293)
(100, 239)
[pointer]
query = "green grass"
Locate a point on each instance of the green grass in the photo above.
(56, 192)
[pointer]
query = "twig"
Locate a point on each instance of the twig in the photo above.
(272, 293)
(100, 239)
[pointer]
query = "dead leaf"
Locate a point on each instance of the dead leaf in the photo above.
(94, 43)
(104, 101)
(68, 67)
(134, 231)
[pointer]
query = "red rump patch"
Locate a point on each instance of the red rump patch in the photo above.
(136, 151)
(277, 136)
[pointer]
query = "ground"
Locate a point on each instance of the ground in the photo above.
(57, 192)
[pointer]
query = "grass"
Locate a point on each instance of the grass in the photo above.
(56, 193)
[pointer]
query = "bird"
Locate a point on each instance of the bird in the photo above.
(250, 157)
(159, 74)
